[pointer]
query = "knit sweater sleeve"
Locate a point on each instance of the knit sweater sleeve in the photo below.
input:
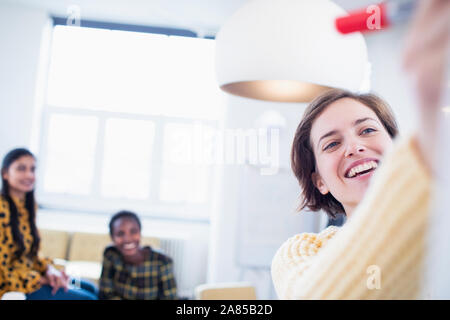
(378, 253)
(296, 255)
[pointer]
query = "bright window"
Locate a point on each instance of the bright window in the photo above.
(119, 122)
(70, 154)
(127, 158)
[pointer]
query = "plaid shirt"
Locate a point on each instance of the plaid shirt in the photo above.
(150, 280)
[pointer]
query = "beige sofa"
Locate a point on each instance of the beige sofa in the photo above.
(80, 253)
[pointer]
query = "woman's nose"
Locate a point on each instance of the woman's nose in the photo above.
(354, 148)
(30, 174)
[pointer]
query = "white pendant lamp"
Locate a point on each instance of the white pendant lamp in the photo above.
(288, 50)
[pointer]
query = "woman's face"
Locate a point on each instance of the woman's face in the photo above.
(348, 141)
(126, 236)
(21, 175)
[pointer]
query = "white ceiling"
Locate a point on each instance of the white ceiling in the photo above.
(201, 16)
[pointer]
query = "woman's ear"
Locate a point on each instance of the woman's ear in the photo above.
(319, 183)
(4, 175)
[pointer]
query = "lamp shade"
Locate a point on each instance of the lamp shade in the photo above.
(288, 50)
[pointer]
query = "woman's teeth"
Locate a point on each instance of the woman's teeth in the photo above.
(129, 246)
(362, 167)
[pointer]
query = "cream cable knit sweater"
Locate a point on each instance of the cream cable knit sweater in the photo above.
(386, 233)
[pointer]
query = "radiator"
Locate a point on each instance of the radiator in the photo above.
(175, 249)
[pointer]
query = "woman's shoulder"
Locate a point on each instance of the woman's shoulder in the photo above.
(296, 255)
(329, 232)
(313, 239)
(3, 201)
(303, 245)
(157, 255)
(111, 253)
(4, 211)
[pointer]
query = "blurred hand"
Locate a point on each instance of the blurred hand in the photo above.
(56, 279)
(43, 281)
(426, 49)
(425, 59)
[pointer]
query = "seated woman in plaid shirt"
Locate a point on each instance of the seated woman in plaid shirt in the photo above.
(132, 272)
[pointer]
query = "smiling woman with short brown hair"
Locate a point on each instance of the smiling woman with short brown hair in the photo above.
(303, 158)
(380, 251)
(346, 161)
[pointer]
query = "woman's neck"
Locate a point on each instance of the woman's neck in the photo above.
(349, 210)
(17, 194)
(138, 258)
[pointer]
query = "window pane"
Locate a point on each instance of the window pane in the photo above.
(133, 72)
(70, 154)
(127, 158)
(182, 183)
(192, 76)
(186, 169)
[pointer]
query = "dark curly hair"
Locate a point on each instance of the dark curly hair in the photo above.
(302, 155)
(123, 214)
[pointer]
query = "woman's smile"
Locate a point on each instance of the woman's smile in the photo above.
(361, 168)
(130, 248)
(28, 183)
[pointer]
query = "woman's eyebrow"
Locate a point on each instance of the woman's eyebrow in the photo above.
(327, 135)
(358, 121)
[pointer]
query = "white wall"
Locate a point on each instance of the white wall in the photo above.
(22, 30)
(388, 80)
(239, 212)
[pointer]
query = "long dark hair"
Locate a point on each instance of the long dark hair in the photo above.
(10, 157)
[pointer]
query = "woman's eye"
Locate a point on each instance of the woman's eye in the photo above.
(368, 130)
(331, 145)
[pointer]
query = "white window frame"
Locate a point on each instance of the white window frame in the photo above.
(151, 206)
